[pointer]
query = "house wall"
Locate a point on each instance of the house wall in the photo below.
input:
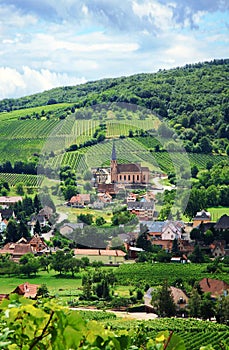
(198, 222)
(169, 234)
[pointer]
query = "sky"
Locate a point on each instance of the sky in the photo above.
(49, 43)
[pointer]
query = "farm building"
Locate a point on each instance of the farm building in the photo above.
(106, 256)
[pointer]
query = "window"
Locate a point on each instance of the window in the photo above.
(124, 177)
(137, 177)
(128, 177)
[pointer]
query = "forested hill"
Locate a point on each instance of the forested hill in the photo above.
(195, 98)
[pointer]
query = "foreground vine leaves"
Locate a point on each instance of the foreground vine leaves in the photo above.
(46, 325)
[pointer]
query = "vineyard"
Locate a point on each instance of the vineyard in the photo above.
(15, 115)
(154, 274)
(195, 333)
(28, 180)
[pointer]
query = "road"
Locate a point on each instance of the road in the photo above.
(48, 235)
(159, 188)
(130, 315)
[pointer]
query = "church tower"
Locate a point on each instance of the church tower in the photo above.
(114, 170)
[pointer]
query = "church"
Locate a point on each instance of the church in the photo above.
(131, 173)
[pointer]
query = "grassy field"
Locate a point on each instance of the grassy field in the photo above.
(217, 212)
(55, 284)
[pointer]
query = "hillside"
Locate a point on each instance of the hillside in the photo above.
(193, 98)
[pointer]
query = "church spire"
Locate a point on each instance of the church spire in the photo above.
(113, 154)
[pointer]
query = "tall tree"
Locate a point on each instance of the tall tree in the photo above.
(197, 255)
(12, 234)
(164, 302)
(194, 304)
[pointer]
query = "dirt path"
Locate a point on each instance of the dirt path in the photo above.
(129, 315)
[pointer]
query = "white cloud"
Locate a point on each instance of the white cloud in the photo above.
(49, 43)
(15, 84)
(159, 14)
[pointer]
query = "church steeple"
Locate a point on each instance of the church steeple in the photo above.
(113, 164)
(113, 154)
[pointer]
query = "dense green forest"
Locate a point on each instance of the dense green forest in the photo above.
(193, 98)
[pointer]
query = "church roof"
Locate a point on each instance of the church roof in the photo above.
(128, 168)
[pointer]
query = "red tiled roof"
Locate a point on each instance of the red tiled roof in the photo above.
(215, 287)
(98, 252)
(27, 290)
(22, 249)
(3, 296)
(80, 197)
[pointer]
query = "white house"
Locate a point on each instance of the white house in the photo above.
(172, 230)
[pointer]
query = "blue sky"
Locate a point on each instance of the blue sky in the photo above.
(49, 43)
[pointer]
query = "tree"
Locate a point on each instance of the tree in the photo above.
(207, 307)
(29, 264)
(43, 291)
(196, 234)
(102, 289)
(12, 234)
(197, 255)
(197, 201)
(20, 188)
(86, 218)
(100, 221)
(87, 175)
(58, 260)
(194, 304)
(175, 248)
(37, 227)
(87, 187)
(163, 301)
(205, 145)
(87, 286)
(23, 230)
(222, 309)
(69, 191)
(144, 242)
(208, 237)
(194, 171)
(37, 203)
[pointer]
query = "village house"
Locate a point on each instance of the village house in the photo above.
(47, 212)
(80, 200)
(217, 249)
(16, 250)
(172, 230)
(67, 228)
(222, 224)
(201, 217)
(27, 290)
(34, 218)
(165, 244)
(6, 214)
(107, 256)
(179, 297)
(132, 197)
(8, 201)
(154, 228)
(214, 287)
(105, 197)
(185, 247)
(144, 210)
